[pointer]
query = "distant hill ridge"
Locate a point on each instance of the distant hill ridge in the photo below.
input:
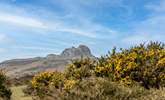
(22, 67)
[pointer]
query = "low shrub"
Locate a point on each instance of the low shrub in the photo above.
(5, 92)
(98, 89)
(42, 81)
(80, 68)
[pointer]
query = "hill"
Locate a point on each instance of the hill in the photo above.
(22, 67)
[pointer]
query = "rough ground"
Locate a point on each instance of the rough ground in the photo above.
(18, 94)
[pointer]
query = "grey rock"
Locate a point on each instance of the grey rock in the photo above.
(82, 50)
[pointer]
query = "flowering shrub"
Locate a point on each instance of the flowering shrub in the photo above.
(5, 93)
(44, 80)
(144, 64)
(80, 68)
(69, 84)
(87, 79)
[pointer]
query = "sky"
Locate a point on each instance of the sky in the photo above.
(30, 28)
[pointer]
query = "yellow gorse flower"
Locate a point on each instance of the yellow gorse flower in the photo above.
(139, 63)
(47, 78)
(68, 84)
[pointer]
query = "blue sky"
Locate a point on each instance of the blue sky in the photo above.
(30, 28)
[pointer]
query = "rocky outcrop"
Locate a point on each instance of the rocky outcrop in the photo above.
(82, 50)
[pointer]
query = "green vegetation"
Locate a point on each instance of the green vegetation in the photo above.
(5, 92)
(141, 64)
(137, 73)
(80, 68)
(43, 80)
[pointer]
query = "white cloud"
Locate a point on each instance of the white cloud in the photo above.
(77, 31)
(86, 28)
(20, 20)
(34, 48)
(52, 22)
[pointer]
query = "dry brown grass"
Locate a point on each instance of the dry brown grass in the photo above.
(18, 94)
(103, 89)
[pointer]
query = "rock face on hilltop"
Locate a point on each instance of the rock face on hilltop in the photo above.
(22, 67)
(82, 50)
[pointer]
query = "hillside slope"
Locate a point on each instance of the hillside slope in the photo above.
(22, 67)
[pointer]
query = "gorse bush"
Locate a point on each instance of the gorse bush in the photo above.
(80, 68)
(130, 74)
(47, 78)
(5, 92)
(44, 80)
(69, 84)
(144, 64)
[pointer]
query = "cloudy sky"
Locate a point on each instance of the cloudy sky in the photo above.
(31, 28)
